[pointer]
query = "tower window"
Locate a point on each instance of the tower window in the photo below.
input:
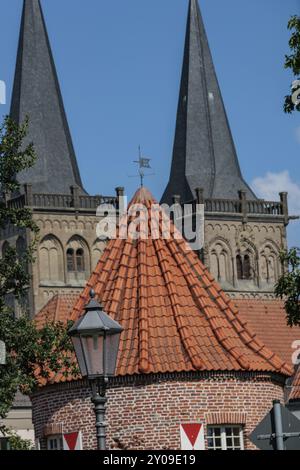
(239, 267)
(70, 260)
(75, 260)
(247, 267)
(243, 267)
(80, 260)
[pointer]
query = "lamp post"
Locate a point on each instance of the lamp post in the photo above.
(96, 339)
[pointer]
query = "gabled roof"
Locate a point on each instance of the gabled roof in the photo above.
(36, 93)
(204, 154)
(175, 317)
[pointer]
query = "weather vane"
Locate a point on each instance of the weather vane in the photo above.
(143, 164)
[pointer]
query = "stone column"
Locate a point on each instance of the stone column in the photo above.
(243, 199)
(75, 194)
(28, 195)
(285, 208)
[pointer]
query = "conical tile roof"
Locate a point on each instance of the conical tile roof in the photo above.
(175, 317)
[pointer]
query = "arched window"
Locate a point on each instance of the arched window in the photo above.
(20, 247)
(80, 260)
(220, 262)
(75, 263)
(272, 275)
(239, 267)
(247, 267)
(70, 260)
(269, 264)
(5, 248)
(243, 267)
(223, 267)
(215, 269)
(51, 260)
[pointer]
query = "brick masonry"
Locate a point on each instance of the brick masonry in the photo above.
(146, 414)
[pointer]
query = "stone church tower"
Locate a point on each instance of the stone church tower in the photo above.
(66, 215)
(243, 234)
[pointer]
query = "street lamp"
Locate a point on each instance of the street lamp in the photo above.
(96, 338)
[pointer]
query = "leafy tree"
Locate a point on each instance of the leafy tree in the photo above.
(32, 354)
(288, 286)
(292, 62)
(15, 442)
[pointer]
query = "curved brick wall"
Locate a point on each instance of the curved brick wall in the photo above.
(145, 412)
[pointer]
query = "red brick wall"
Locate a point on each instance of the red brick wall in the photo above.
(147, 416)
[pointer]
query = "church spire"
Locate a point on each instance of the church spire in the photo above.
(36, 93)
(204, 154)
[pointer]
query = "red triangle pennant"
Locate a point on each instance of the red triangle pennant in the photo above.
(192, 432)
(71, 440)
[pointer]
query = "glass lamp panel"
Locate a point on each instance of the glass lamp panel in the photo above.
(111, 353)
(79, 355)
(93, 353)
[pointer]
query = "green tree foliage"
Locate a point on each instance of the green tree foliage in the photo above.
(288, 286)
(32, 354)
(15, 442)
(292, 62)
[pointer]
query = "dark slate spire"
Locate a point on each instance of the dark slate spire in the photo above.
(204, 154)
(36, 93)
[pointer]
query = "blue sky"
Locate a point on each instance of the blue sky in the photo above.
(119, 66)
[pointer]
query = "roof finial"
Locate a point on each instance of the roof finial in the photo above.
(92, 294)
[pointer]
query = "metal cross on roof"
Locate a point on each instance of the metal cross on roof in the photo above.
(143, 164)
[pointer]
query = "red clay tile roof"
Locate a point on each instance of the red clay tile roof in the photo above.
(295, 393)
(175, 316)
(58, 309)
(268, 319)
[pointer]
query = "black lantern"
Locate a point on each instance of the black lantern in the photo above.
(96, 339)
